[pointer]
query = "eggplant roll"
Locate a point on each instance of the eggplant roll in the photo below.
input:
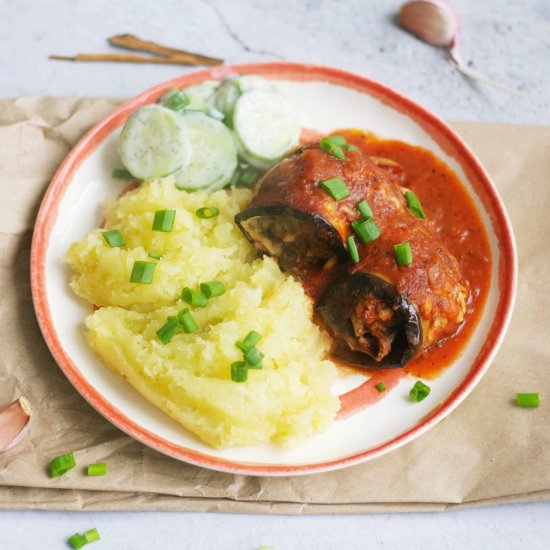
(379, 314)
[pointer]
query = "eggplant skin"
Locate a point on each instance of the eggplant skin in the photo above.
(300, 241)
(395, 340)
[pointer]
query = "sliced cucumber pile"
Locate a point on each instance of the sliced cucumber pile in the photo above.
(211, 134)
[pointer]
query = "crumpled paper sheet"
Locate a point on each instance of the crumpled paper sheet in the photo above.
(488, 451)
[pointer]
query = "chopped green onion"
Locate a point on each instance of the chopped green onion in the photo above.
(338, 140)
(122, 174)
(251, 339)
(77, 541)
(186, 321)
(364, 209)
(352, 147)
(419, 391)
(241, 346)
(403, 254)
(239, 371)
(92, 535)
(381, 387)
(168, 330)
(352, 249)
(62, 464)
(164, 220)
(414, 205)
(207, 212)
(249, 176)
(154, 255)
(193, 297)
(114, 238)
(366, 230)
(212, 289)
(527, 399)
(253, 358)
(175, 100)
(336, 188)
(143, 272)
(99, 469)
(328, 146)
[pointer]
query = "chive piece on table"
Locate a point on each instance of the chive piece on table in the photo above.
(62, 464)
(253, 358)
(328, 146)
(92, 535)
(336, 188)
(164, 220)
(527, 400)
(77, 541)
(366, 230)
(143, 272)
(414, 205)
(169, 330)
(185, 319)
(207, 212)
(251, 339)
(114, 238)
(364, 209)
(419, 391)
(239, 371)
(211, 289)
(194, 298)
(154, 255)
(122, 174)
(381, 387)
(403, 254)
(99, 469)
(352, 249)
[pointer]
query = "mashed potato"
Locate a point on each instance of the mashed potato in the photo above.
(189, 378)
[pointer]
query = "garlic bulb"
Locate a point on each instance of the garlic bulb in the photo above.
(14, 422)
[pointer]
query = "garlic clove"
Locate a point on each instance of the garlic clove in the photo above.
(433, 21)
(14, 422)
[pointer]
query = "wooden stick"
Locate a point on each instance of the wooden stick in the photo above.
(131, 42)
(124, 58)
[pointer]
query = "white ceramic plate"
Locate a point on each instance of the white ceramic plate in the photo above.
(327, 99)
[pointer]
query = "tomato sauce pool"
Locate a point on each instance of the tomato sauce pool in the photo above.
(456, 220)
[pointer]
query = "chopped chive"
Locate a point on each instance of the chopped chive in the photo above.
(62, 464)
(527, 400)
(336, 188)
(186, 321)
(92, 535)
(328, 146)
(164, 220)
(249, 176)
(154, 255)
(114, 238)
(352, 249)
(143, 272)
(414, 205)
(253, 358)
(419, 391)
(169, 330)
(77, 541)
(403, 254)
(364, 209)
(338, 140)
(99, 469)
(239, 371)
(241, 346)
(175, 99)
(381, 387)
(122, 174)
(207, 212)
(352, 147)
(212, 289)
(366, 230)
(193, 297)
(251, 339)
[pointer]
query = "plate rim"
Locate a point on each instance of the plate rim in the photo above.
(303, 72)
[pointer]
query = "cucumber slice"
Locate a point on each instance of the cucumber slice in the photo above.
(249, 82)
(154, 142)
(214, 156)
(199, 95)
(266, 125)
(222, 102)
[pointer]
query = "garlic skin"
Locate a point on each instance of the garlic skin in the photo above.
(14, 422)
(433, 21)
